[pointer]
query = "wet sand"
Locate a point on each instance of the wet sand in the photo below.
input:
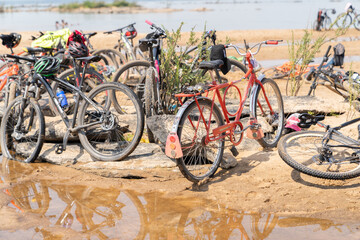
(261, 182)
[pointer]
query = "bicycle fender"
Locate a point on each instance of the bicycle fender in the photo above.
(173, 147)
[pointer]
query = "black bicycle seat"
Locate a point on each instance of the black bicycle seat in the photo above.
(306, 120)
(214, 64)
(90, 34)
(94, 58)
(34, 50)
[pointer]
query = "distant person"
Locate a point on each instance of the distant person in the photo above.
(57, 25)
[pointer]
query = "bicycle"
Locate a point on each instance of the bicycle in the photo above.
(126, 45)
(197, 138)
(329, 154)
(332, 79)
(323, 20)
(106, 133)
(344, 20)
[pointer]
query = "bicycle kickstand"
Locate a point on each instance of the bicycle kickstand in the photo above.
(60, 148)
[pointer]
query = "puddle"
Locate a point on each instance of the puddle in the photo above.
(47, 209)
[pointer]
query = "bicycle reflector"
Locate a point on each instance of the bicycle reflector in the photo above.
(173, 148)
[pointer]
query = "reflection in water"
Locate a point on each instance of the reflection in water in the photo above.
(60, 209)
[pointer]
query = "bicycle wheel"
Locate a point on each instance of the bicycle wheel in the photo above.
(301, 151)
(273, 73)
(344, 20)
(150, 100)
(91, 80)
(133, 74)
(24, 144)
(327, 23)
(111, 135)
(357, 22)
(201, 158)
(112, 57)
(271, 117)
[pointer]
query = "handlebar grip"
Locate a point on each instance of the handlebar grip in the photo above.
(148, 22)
(273, 42)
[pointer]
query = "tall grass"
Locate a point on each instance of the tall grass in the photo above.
(302, 52)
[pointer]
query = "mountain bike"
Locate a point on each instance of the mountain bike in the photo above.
(197, 138)
(332, 79)
(107, 132)
(323, 20)
(344, 20)
(329, 154)
(126, 43)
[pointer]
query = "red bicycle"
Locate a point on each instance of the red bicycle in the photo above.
(197, 138)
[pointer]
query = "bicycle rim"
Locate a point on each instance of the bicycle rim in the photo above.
(200, 158)
(301, 150)
(270, 117)
(116, 133)
(25, 144)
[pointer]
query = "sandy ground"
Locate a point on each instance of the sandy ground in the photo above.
(261, 181)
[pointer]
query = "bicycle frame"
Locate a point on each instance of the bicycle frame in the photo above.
(228, 129)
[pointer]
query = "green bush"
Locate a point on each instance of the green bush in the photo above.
(123, 3)
(94, 4)
(175, 72)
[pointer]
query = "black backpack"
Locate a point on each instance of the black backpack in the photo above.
(218, 52)
(339, 54)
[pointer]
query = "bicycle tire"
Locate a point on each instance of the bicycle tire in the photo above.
(9, 144)
(273, 73)
(186, 163)
(111, 134)
(112, 56)
(357, 22)
(343, 20)
(150, 96)
(274, 121)
(327, 23)
(133, 74)
(302, 161)
(12, 93)
(92, 79)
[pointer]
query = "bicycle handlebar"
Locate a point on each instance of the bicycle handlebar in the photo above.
(159, 29)
(120, 29)
(19, 58)
(258, 45)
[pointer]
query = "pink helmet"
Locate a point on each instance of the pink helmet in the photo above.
(292, 122)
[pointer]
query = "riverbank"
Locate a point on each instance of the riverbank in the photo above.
(261, 182)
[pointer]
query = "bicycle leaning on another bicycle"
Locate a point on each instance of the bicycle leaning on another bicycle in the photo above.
(197, 138)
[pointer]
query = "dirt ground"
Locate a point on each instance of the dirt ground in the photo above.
(261, 182)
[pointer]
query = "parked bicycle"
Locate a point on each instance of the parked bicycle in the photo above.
(126, 45)
(197, 138)
(329, 154)
(323, 21)
(344, 20)
(108, 130)
(334, 80)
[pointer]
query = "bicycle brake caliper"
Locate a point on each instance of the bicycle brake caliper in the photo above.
(173, 148)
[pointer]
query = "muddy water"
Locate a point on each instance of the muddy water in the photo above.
(55, 208)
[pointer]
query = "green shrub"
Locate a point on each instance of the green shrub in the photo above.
(123, 3)
(94, 4)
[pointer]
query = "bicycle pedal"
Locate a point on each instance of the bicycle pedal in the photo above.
(234, 151)
(59, 148)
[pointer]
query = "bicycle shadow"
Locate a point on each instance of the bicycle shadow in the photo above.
(335, 184)
(244, 165)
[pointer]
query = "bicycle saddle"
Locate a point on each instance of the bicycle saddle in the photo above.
(214, 64)
(94, 58)
(90, 34)
(9, 40)
(306, 120)
(34, 50)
